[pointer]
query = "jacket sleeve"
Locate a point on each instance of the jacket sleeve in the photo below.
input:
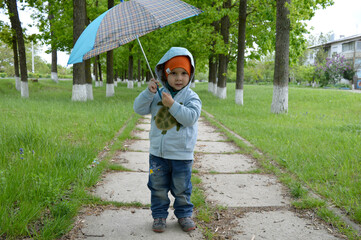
(143, 102)
(187, 114)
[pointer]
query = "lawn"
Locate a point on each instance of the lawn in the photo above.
(318, 139)
(48, 145)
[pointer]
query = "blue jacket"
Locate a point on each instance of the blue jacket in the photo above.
(186, 109)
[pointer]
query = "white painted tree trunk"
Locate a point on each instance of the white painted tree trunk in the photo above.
(130, 84)
(101, 83)
(210, 87)
(115, 84)
(239, 96)
(280, 99)
(89, 91)
(139, 84)
(17, 84)
(79, 93)
(222, 93)
(193, 84)
(110, 90)
(215, 89)
(24, 89)
(96, 83)
(54, 77)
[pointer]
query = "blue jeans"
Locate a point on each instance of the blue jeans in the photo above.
(170, 175)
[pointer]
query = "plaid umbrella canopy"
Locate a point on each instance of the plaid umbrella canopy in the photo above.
(128, 21)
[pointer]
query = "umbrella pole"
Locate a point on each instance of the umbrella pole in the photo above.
(149, 66)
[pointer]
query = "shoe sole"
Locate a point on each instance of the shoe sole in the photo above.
(158, 231)
(189, 229)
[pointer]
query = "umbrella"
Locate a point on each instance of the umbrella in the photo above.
(126, 22)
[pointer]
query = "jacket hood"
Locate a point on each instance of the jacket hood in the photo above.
(173, 52)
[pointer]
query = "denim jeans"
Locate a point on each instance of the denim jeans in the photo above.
(170, 175)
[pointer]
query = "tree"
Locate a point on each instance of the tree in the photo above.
(54, 55)
(224, 57)
(280, 81)
(241, 49)
(16, 25)
(110, 69)
(79, 21)
(8, 36)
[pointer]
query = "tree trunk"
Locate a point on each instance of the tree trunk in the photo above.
(16, 64)
(147, 76)
(110, 75)
(88, 80)
(223, 58)
(130, 69)
(16, 25)
(95, 71)
(139, 77)
(281, 72)
(110, 69)
(54, 56)
(100, 72)
(213, 61)
(79, 21)
(242, 18)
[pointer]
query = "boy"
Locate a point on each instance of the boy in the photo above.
(173, 135)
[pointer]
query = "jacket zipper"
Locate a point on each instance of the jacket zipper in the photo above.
(161, 146)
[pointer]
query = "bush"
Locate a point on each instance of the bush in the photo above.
(332, 71)
(303, 74)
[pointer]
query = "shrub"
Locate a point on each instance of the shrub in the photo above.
(333, 70)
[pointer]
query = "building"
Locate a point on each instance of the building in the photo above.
(349, 47)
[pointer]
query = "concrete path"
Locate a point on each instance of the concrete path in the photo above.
(255, 206)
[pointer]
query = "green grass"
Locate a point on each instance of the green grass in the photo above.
(318, 140)
(47, 146)
(44, 184)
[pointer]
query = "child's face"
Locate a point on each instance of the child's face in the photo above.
(178, 78)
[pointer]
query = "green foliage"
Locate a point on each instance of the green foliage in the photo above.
(333, 70)
(302, 73)
(257, 71)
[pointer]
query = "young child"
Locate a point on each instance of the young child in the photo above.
(173, 135)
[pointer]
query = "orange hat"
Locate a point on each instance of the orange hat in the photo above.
(177, 62)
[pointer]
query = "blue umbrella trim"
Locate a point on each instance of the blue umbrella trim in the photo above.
(85, 42)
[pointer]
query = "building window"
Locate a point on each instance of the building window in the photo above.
(358, 46)
(346, 47)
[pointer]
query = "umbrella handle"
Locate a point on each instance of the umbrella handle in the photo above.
(149, 67)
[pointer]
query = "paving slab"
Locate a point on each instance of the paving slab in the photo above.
(216, 147)
(244, 190)
(211, 136)
(132, 223)
(124, 187)
(139, 145)
(136, 161)
(205, 128)
(143, 126)
(224, 163)
(140, 134)
(279, 225)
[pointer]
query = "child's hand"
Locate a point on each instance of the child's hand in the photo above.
(167, 99)
(152, 85)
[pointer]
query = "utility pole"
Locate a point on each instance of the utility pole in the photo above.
(32, 55)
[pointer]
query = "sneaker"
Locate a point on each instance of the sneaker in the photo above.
(187, 224)
(159, 225)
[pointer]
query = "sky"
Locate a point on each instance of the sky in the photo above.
(342, 18)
